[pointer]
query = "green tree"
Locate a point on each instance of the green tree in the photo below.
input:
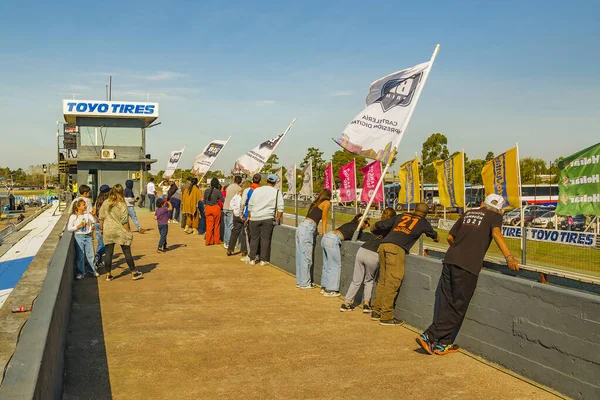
(531, 169)
(318, 166)
(489, 156)
(434, 148)
(271, 165)
(473, 171)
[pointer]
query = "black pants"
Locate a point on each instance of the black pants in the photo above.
(260, 234)
(110, 248)
(456, 290)
(237, 232)
(163, 230)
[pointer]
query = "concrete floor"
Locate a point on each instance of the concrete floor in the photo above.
(201, 325)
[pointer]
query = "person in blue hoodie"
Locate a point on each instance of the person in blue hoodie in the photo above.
(130, 201)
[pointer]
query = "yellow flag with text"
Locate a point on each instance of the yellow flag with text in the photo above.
(501, 176)
(410, 185)
(451, 181)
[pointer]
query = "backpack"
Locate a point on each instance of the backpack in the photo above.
(250, 191)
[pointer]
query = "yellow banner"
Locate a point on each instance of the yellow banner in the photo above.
(410, 185)
(501, 176)
(451, 181)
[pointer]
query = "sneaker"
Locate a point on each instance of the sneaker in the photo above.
(165, 248)
(99, 264)
(331, 293)
(79, 276)
(425, 343)
(307, 287)
(391, 322)
(142, 231)
(264, 263)
(443, 349)
(322, 290)
(251, 262)
(109, 278)
(245, 259)
(96, 274)
(347, 307)
(137, 275)
(160, 250)
(225, 246)
(375, 316)
(367, 308)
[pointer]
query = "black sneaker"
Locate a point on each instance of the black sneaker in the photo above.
(375, 316)
(367, 309)
(347, 307)
(391, 322)
(160, 250)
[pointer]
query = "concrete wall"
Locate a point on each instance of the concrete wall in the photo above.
(546, 333)
(36, 369)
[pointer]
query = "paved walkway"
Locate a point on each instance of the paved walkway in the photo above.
(201, 325)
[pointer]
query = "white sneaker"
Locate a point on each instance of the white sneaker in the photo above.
(245, 259)
(79, 276)
(96, 274)
(264, 263)
(225, 246)
(251, 262)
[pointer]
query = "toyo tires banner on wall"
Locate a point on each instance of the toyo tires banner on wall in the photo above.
(579, 185)
(552, 236)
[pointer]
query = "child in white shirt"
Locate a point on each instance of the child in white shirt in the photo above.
(81, 222)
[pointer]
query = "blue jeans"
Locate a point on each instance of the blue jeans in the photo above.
(174, 213)
(332, 262)
(84, 248)
(152, 200)
(131, 211)
(163, 229)
(100, 248)
(228, 220)
(305, 237)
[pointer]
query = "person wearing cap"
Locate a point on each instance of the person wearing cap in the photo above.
(469, 240)
(100, 248)
(265, 210)
(245, 234)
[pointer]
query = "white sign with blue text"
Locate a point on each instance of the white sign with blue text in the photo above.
(552, 236)
(95, 108)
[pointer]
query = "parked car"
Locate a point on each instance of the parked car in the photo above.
(577, 225)
(548, 220)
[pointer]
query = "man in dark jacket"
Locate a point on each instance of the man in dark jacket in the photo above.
(130, 201)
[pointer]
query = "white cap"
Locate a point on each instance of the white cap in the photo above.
(495, 201)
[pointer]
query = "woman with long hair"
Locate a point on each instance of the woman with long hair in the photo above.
(189, 206)
(332, 257)
(212, 196)
(81, 223)
(100, 248)
(366, 264)
(114, 227)
(305, 237)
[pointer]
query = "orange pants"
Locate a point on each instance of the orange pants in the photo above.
(213, 224)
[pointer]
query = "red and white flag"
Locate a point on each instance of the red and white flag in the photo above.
(348, 177)
(372, 174)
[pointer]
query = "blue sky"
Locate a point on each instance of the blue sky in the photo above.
(512, 71)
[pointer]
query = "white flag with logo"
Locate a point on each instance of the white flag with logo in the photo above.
(279, 174)
(256, 158)
(290, 176)
(377, 130)
(307, 180)
(173, 162)
(205, 160)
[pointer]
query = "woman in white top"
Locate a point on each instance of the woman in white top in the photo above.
(81, 222)
(238, 224)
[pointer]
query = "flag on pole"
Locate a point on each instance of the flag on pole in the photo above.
(205, 160)
(173, 162)
(252, 162)
(279, 183)
(307, 180)
(410, 182)
(290, 176)
(501, 176)
(328, 182)
(348, 177)
(579, 185)
(451, 181)
(377, 130)
(372, 174)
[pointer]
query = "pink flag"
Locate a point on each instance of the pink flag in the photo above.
(372, 174)
(328, 182)
(348, 187)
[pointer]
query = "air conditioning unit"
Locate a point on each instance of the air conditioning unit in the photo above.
(108, 154)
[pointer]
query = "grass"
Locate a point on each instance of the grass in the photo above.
(30, 192)
(560, 256)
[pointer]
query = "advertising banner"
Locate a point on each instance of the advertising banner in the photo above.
(348, 187)
(501, 176)
(451, 181)
(307, 180)
(173, 162)
(372, 173)
(410, 182)
(290, 176)
(552, 236)
(328, 180)
(205, 160)
(579, 185)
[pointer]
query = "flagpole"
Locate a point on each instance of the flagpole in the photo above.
(355, 187)
(523, 232)
(403, 129)
(332, 191)
(464, 182)
(422, 183)
(296, 194)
